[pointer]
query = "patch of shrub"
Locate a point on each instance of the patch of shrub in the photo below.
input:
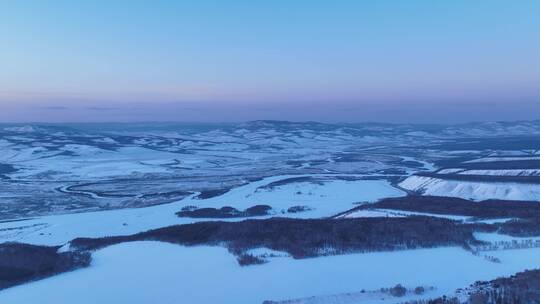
(188, 208)
(297, 209)
(249, 259)
(211, 193)
(398, 291)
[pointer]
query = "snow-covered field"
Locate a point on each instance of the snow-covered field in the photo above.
(54, 175)
(325, 199)
(399, 213)
(145, 272)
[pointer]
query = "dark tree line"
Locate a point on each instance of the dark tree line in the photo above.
(224, 212)
(21, 263)
(526, 215)
(521, 228)
(458, 206)
(521, 288)
(303, 238)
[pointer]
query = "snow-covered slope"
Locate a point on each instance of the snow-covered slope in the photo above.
(472, 190)
(507, 172)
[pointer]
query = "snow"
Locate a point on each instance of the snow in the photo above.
(497, 237)
(495, 221)
(373, 296)
(425, 165)
(369, 213)
(476, 191)
(267, 253)
(333, 197)
(89, 162)
(497, 159)
(142, 272)
(449, 171)
(511, 172)
(401, 213)
(22, 129)
(326, 198)
(418, 133)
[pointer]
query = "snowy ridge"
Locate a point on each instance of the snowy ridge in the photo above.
(499, 159)
(506, 172)
(476, 191)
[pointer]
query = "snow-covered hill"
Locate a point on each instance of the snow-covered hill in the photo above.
(48, 168)
(473, 190)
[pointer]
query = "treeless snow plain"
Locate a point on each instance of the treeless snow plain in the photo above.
(153, 272)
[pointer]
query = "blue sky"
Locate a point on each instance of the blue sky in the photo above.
(394, 61)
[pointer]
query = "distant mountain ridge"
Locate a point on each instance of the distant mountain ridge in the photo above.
(474, 129)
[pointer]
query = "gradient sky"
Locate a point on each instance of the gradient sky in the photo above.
(378, 60)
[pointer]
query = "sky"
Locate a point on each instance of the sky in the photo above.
(420, 61)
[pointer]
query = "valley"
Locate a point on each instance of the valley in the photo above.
(267, 199)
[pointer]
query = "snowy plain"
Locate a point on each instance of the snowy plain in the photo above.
(325, 199)
(146, 272)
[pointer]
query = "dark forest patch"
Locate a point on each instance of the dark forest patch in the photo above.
(211, 193)
(458, 206)
(20, 263)
(7, 169)
(306, 238)
(298, 209)
(291, 180)
(523, 287)
(224, 212)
